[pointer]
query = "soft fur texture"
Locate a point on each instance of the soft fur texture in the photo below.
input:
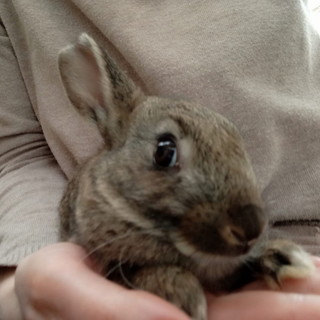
(166, 230)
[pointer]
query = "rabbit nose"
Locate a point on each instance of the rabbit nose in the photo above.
(246, 224)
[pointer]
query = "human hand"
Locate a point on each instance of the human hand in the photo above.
(297, 299)
(58, 282)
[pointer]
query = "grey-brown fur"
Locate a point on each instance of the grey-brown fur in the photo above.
(170, 230)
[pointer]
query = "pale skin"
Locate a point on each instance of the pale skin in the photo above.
(58, 282)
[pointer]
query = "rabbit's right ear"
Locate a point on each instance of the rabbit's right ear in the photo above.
(98, 88)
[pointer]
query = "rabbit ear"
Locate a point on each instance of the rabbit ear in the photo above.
(98, 88)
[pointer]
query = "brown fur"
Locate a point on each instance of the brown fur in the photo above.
(169, 231)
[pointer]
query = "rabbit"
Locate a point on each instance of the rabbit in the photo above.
(170, 204)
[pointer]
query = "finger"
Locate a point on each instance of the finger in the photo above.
(103, 299)
(156, 307)
(58, 283)
(265, 305)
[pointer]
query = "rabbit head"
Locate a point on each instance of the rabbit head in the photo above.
(180, 169)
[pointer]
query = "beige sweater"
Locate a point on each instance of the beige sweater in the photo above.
(256, 62)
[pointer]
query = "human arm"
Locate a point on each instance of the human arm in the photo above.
(9, 305)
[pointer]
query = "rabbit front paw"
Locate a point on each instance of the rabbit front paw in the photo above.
(175, 285)
(282, 259)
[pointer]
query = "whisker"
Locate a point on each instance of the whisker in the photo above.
(105, 244)
(114, 268)
(127, 282)
(248, 264)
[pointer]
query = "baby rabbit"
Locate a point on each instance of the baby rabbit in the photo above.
(171, 204)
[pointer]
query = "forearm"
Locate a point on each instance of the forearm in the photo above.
(9, 306)
(31, 181)
(30, 197)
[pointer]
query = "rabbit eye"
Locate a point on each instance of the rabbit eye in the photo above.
(165, 155)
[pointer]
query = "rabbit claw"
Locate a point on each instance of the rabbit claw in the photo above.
(281, 260)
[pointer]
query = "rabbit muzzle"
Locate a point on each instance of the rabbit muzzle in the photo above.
(233, 233)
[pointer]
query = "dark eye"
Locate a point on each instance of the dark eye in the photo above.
(165, 155)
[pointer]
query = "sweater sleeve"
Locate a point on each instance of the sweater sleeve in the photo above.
(31, 182)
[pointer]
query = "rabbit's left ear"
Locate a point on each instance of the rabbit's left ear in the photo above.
(98, 88)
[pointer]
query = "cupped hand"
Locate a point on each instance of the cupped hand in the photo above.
(59, 282)
(297, 300)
